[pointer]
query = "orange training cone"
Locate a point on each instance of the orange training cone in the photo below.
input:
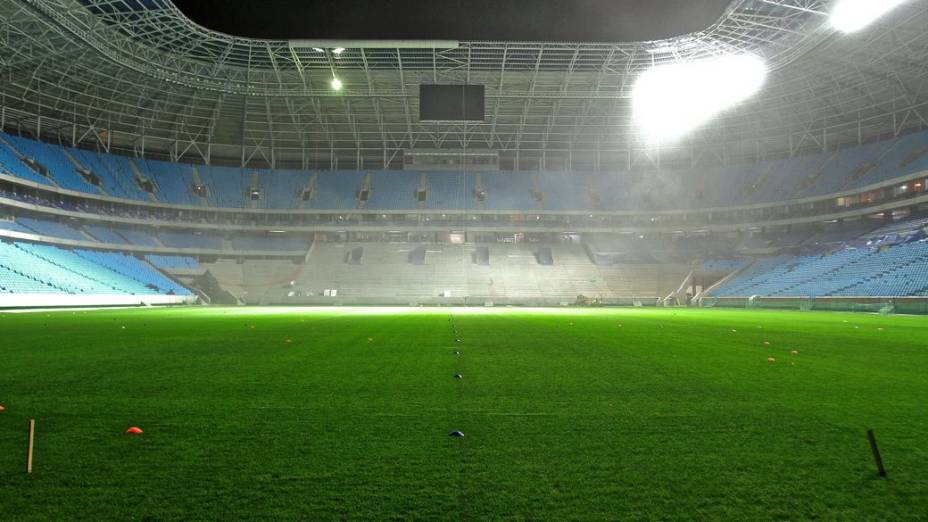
(134, 431)
(2, 409)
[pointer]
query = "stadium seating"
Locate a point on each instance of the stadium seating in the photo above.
(173, 181)
(139, 275)
(228, 185)
(136, 237)
(393, 190)
(105, 234)
(899, 228)
(336, 190)
(60, 168)
(723, 266)
(33, 268)
(114, 173)
(403, 273)
(448, 190)
(705, 186)
(886, 271)
(173, 262)
(178, 239)
(269, 243)
(13, 226)
(280, 188)
(45, 227)
(10, 164)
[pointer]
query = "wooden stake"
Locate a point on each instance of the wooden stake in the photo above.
(30, 445)
(876, 454)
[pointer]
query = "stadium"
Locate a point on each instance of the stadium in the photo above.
(677, 272)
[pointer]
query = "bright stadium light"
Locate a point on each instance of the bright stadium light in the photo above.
(336, 84)
(853, 15)
(672, 100)
(338, 50)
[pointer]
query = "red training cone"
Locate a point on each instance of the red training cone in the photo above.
(134, 431)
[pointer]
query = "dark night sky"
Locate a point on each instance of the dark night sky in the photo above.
(507, 20)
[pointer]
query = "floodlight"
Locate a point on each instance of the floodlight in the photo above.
(853, 15)
(336, 84)
(318, 50)
(671, 100)
(338, 50)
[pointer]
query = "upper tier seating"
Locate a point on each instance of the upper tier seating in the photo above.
(637, 189)
(52, 157)
(10, 164)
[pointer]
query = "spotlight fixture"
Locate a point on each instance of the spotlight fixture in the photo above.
(671, 100)
(851, 16)
(336, 84)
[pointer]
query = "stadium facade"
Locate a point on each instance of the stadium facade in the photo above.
(147, 159)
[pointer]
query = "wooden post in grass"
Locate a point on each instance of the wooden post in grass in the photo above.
(30, 445)
(877, 459)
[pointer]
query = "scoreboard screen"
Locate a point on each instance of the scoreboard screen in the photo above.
(451, 103)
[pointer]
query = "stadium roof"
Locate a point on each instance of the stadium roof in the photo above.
(139, 74)
(523, 20)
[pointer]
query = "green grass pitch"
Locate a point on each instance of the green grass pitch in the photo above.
(567, 414)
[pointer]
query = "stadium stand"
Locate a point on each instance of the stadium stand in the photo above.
(402, 273)
(723, 266)
(884, 271)
(281, 187)
(337, 190)
(269, 243)
(178, 239)
(51, 157)
(56, 270)
(172, 179)
(172, 262)
(13, 226)
(45, 227)
(448, 190)
(393, 190)
(137, 237)
(104, 234)
(140, 276)
(804, 176)
(11, 164)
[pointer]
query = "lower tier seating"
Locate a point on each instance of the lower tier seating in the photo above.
(29, 268)
(884, 271)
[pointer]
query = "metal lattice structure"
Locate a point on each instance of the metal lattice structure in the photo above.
(138, 75)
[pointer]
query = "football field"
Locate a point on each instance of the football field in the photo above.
(302, 413)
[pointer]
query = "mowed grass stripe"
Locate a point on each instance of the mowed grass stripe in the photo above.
(568, 414)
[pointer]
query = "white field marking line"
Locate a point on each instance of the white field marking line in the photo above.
(491, 413)
(504, 414)
(74, 309)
